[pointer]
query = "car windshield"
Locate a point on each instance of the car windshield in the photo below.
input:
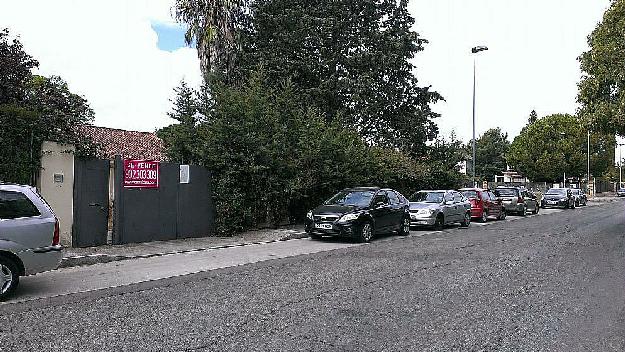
(428, 197)
(351, 198)
(557, 191)
(506, 192)
(470, 194)
(575, 191)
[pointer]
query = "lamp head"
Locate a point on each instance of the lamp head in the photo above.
(477, 49)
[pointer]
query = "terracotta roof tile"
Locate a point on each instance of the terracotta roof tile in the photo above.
(128, 144)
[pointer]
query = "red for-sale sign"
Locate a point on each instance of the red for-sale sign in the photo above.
(141, 173)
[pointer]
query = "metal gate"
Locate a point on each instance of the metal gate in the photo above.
(91, 202)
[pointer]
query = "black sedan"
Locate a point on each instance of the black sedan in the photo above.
(559, 198)
(360, 213)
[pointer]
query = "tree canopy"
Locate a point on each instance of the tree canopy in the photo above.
(34, 109)
(555, 144)
(602, 88)
(491, 149)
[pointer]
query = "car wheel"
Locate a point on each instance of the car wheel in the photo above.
(366, 232)
(405, 228)
(9, 277)
(467, 220)
(439, 223)
(502, 214)
(484, 217)
(315, 237)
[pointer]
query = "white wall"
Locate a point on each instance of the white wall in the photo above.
(58, 159)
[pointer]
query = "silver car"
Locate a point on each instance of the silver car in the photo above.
(517, 200)
(439, 208)
(29, 236)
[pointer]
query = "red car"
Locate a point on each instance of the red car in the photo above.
(484, 204)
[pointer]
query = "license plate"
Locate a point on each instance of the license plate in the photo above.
(323, 226)
(551, 202)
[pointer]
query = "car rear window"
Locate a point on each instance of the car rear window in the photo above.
(15, 205)
(507, 192)
(470, 194)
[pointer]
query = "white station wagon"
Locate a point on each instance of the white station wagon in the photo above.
(29, 236)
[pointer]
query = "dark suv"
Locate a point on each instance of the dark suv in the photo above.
(360, 213)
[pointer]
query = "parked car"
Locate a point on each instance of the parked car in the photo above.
(360, 213)
(559, 198)
(439, 208)
(620, 192)
(484, 204)
(517, 200)
(579, 196)
(29, 236)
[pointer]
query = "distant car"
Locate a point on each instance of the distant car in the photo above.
(559, 198)
(517, 200)
(439, 208)
(484, 204)
(579, 196)
(29, 236)
(360, 213)
(620, 192)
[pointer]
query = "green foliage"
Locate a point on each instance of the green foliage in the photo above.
(491, 149)
(272, 160)
(533, 117)
(181, 139)
(601, 90)
(351, 60)
(214, 26)
(34, 109)
(555, 144)
(443, 159)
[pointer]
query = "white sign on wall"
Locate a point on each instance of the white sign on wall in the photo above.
(184, 173)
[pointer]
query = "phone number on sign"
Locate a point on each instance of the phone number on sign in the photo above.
(141, 174)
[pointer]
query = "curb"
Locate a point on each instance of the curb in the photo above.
(91, 259)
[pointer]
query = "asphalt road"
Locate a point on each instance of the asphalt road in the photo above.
(554, 282)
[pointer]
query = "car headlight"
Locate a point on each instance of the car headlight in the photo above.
(310, 215)
(349, 217)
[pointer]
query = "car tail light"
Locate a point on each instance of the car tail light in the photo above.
(521, 200)
(56, 237)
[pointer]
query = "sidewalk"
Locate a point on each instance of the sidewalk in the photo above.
(105, 254)
(604, 197)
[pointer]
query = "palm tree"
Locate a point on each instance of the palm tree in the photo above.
(214, 26)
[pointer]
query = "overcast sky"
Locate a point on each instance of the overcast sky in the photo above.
(109, 52)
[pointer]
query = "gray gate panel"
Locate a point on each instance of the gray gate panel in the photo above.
(150, 214)
(91, 202)
(172, 211)
(195, 205)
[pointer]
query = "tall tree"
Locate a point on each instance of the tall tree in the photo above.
(556, 144)
(15, 67)
(491, 149)
(533, 117)
(214, 26)
(34, 109)
(181, 139)
(352, 60)
(602, 88)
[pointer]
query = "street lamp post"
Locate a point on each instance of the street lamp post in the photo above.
(475, 50)
(620, 166)
(563, 134)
